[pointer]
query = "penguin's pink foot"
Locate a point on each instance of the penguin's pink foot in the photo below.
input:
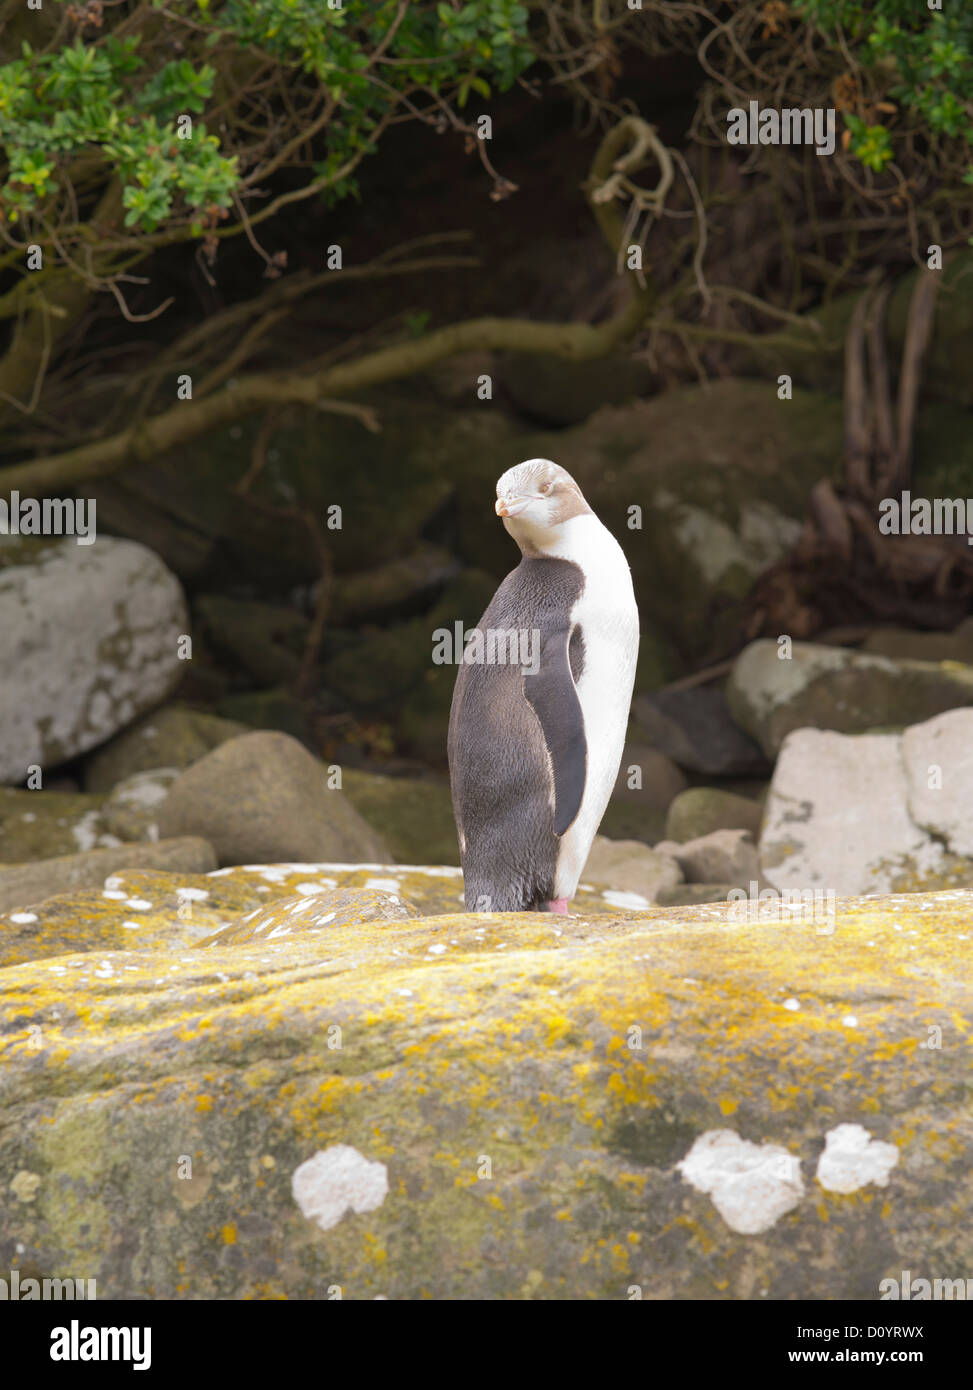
(558, 905)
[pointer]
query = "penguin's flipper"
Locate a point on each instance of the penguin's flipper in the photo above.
(553, 696)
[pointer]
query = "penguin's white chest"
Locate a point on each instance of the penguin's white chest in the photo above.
(609, 622)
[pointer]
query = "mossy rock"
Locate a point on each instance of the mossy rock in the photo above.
(45, 824)
(587, 1060)
(414, 817)
(701, 810)
(172, 736)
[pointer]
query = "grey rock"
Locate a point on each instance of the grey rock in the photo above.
(939, 771)
(90, 642)
(695, 729)
(701, 810)
(831, 688)
(628, 866)
(173, 736)
(837, 819)
(264, 798)
(132, 810)
(722, 856)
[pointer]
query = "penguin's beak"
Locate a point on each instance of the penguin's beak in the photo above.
(511, 506)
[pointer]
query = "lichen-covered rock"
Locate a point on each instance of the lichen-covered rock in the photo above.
(110, 615)
(831, 688)
(169, 737)
(628, 867)
(507, 1106)
(132, 810)
(264, 797)
(702, 810)
(25, 884)
(938, 757)
(336, 907)
(838, 818)
(44, 824)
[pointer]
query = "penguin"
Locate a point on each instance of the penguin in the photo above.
(535, 742)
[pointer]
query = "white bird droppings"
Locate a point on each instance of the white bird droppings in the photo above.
(337, 1180)
(22, 918)
(792, 1004)
(852, 1159)
(618, 898)
(752, 1185)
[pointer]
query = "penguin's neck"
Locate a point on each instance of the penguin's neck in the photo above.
(580, 538)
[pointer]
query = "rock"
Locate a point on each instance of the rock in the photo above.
(832, 688)
(939, 771)
(900, 642)
(837, 818)
(265, 640)
(43, 824)
(722, 856)
(628, 867)
(556, 391)
(263, 797)
(22, 885)
(90, 641)
(173, 736)
(590, 1065)
(131, 812)
(339, 907)
(694, 728)
(413, 816)
(701, 810)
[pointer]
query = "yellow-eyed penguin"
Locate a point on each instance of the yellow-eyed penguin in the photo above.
(535, 741)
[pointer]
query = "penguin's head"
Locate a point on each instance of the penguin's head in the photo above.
(534, 499)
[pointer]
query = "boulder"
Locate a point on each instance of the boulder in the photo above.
(838, 817)
(628, 872)
(131, 811)
(832, 688)
(414, 816)
(22, 885)
(938, 758)
(694, 728)
(264, 797)
(653, 1090)
(91, 636)
(172, 736)
(722, 856)
(701, 810)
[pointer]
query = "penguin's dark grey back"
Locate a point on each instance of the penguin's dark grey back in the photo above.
(499, 764)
